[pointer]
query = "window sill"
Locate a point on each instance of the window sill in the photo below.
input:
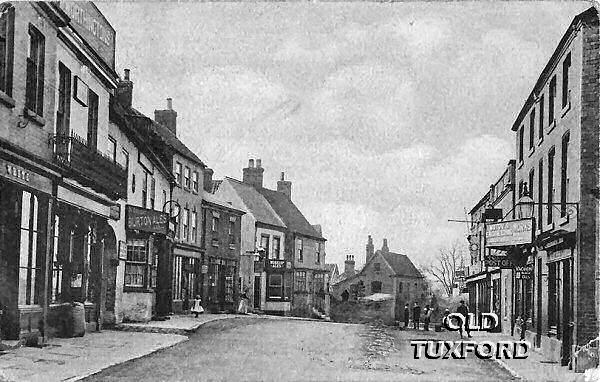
(33, 116)
(6, 99)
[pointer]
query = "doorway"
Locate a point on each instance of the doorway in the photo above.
(257, 291)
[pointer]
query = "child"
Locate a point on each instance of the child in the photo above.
(197, 306)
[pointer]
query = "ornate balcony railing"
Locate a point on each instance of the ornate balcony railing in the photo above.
(88, 166)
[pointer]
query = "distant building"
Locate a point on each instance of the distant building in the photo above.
(384, 272)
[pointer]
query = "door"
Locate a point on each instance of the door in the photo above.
(257, 293)
(567, 325)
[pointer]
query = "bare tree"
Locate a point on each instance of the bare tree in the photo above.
(444, 267)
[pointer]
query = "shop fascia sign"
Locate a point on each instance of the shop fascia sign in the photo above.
(509, 233)
(142, 219)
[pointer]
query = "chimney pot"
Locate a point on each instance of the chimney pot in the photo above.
(126, 74)
(251, 163)
(282, 175)
(169, 103)
(258, 163)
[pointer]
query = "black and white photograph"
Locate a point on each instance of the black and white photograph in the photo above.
(299, 190)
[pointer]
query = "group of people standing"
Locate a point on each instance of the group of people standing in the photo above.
(416, 316)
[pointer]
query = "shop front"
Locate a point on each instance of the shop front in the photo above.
(25, 207)
(186, 277)
(145, 249)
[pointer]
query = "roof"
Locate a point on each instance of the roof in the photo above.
(215, 200)
(401, 264)
(289, 213)
(551, 62)
(256, 203)
(168, 137)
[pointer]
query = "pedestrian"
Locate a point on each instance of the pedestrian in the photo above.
(464, 310)
(243, 307)
(406, 315)
(197, 306)
(416, 315)
(428, 312)
(522, 324)
(445, 322)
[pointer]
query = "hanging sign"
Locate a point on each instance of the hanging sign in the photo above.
(509, 233)
(524, 273)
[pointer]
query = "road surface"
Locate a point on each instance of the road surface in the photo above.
(258, 349)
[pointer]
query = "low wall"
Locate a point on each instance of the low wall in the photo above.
(363, 311)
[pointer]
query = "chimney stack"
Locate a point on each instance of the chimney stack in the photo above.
(253, 175)
(349, 265)
(167, 117)
(208, 174)
(384, 247)
(284, 186)
(370, 249)
(125, 90)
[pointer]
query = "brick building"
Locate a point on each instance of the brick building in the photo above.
(384, 272)
(490, 287)
(61, 185)
(556, 175)
(221, 244)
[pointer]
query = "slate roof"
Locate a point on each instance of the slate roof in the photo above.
(401, 264)
(256, 203)
(167, 136)
(214, 199)
(289, 213)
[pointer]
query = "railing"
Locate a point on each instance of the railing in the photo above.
(88, 166)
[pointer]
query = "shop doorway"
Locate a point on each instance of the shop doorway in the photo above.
(257, 291)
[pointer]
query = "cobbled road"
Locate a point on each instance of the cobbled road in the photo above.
(250, 349)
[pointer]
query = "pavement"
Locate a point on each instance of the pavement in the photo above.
(535, 367)
(72, 359)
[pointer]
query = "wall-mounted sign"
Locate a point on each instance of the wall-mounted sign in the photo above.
(122, 250)
(524, 273)
(498, 261)
(89, 22)
(20, 175)
(509, 233)
(142, 219)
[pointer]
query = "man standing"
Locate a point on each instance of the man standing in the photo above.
(416, 315)
(428, 312)
(464, 310)
(406, 315)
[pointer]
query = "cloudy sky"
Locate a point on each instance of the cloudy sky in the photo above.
(389, 118)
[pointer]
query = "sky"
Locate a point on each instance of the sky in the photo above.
(388, 118)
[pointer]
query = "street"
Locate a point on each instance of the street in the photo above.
(255, 349)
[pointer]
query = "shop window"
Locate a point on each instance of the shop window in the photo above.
(28, 261)
(375, 286)
(57, 264)
(7, 35)
(275, 286)
(137, 263)
(300, 277)
(34, 91)
(177, 278)
(229, 287)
